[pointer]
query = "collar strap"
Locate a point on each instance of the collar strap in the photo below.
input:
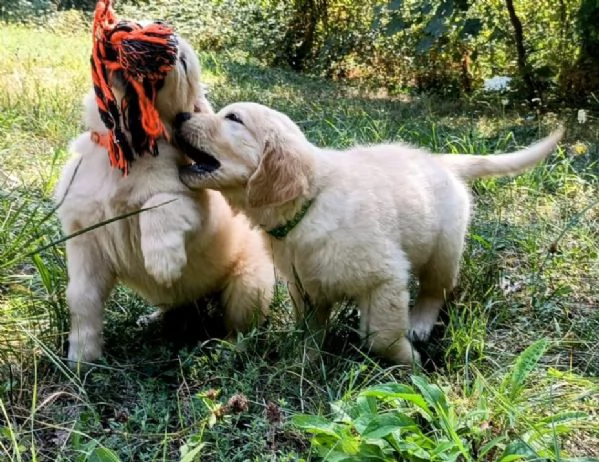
(101, 139)
(281, 231)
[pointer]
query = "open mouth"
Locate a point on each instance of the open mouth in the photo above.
(202, 162)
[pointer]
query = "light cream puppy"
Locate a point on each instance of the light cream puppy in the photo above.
(186, 246)
(348, 223)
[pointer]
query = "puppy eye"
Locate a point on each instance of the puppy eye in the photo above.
(183, 63)
(234, 117)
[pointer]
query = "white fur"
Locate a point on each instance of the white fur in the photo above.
(186, 246)
(379, 213)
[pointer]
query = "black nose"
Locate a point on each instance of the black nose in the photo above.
(180, 118)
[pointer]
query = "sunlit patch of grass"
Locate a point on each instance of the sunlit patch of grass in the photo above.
(40, 99)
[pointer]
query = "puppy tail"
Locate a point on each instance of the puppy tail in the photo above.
(468, 166)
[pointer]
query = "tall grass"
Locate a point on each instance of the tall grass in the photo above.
(510, 374)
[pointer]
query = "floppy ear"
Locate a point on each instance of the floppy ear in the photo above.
(283, 174)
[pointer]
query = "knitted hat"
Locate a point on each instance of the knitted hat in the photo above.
(141, 56)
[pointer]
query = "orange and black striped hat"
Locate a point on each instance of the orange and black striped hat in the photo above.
(141, 57)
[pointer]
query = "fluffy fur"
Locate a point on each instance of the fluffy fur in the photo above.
(378, 213)
(189, 243)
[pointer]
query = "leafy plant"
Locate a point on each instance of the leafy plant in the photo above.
(395, 421)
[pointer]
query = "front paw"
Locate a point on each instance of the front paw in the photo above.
(165, 267)
(420, 328)
(83, 349)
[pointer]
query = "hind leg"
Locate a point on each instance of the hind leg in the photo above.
(90, 283)
(384, 320)
(247, 295)
(437, 279)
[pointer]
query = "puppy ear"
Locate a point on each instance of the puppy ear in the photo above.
(283, 174)
(202, 105)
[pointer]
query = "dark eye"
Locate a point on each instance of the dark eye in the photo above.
(234, 117)
(183, 63)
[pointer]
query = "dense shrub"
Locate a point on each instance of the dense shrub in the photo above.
(255, 27)
(447, 46)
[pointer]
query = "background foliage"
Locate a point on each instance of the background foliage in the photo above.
(447, 46)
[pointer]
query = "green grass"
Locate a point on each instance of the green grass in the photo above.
(490, 388)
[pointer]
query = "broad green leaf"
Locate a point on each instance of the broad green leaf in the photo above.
(418, 401)
(511, 457)
(399, 440)
(486, 244)
(190, 456)
(366, 405)
(375, 450)
(102, 455)
(316, 425)
(433, 395)
(398, 391)
(335, 456)
(349, 444)
(382, 425)
(362, 422)
(44, 272)
(517, 450)
(525, 364)
(493, 444)
(387, 390)
(413, 449)
(448, 449)
(325, 442)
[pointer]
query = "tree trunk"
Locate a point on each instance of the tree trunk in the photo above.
(523, 68)
(582, 80)
(298, 43)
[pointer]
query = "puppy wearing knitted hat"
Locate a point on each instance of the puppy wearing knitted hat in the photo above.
(184, 244)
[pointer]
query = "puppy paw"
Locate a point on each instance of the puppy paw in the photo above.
(147, 319)
(403, 352)
(421, 326)
(82, 352)
(420, 332)
(165, 267)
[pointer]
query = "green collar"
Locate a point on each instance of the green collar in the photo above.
(281, 231)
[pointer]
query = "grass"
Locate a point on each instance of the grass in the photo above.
(511, 374)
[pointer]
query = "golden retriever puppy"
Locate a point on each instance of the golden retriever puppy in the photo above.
(185, 245)
(347, 224)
